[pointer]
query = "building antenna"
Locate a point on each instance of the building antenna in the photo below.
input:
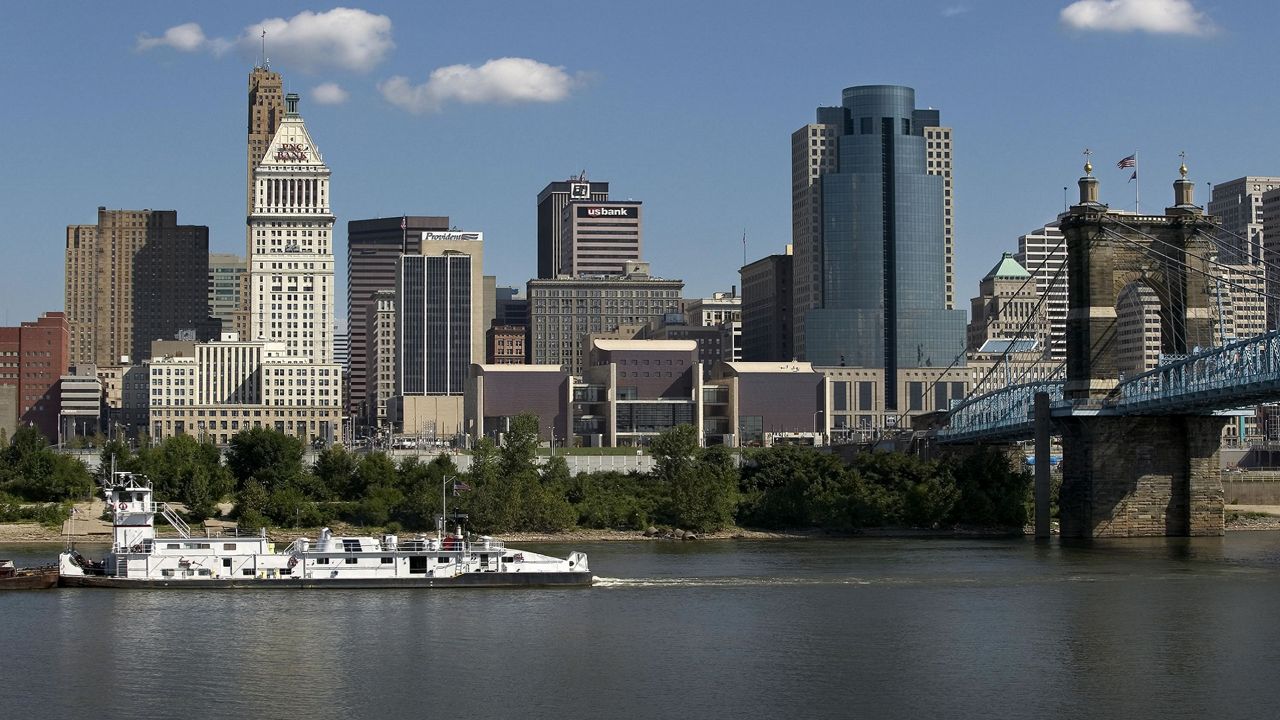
(744, 247)
(266, 61)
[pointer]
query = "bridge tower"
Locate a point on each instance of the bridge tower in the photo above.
(1127, 475)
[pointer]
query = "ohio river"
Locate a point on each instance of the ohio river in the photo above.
(861, 628)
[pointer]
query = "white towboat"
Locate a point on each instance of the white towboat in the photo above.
(140, 559)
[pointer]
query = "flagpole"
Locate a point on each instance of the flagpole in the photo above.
(1137, 203)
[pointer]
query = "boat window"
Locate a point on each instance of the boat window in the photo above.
(386, 561)
(286, 571)
(173, 546)
(247, 571)
(322, 561)
(228, 546)
(349, 545)
(226, 562)
(442, 560)
(351, 561)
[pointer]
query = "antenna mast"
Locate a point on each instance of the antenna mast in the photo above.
(266, 62)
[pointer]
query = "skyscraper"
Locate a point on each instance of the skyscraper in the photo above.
(814, 153)
(290, 249)
(1043, 253)
(551, 202)
(766, 308)
(1238, 204)
(599, 238)
(439, 331)
(226, 280)
(884, 299)
(266, 111)
(134, 277)
(374, 247)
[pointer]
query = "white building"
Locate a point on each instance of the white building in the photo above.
(1043, 253)
(291, 261)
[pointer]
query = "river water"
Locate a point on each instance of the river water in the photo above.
(862, 628)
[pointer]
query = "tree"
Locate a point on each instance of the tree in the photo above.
(270, 456)
(993, 490)
(34, 471)
(702, 484)
(779, 485)
(336, 468)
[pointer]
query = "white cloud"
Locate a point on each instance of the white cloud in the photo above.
(345, 38)
(329, 94)
(1177, 17)
(341, 38)
(188, 37)
(503, 80)
(954, 10)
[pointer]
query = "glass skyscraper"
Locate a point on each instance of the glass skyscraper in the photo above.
(883, 249)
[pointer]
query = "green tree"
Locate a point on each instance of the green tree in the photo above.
(702, 484)
(993, 490)
(252, 504)
(270, 456)
(336, 469)
(779, 485)
(34, 471)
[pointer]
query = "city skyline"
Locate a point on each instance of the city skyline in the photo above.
(477, 150)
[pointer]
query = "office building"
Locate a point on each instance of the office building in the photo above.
(439, 332)
(551, 203)
(765, 403)
(1043, 253)
(290, 255)
(380, 324)
(858, 407)
(562, 311)
(766, 308)
(134, 277)
(226, 280)
(504, 344)
(373, 248)
(711, 312)
(817, 149)
(1238, 206)
(214, 390)
(1271, 254)
(1007, 307)
(266, 111)
(597, 239)
(80, 403)
(1240, 301)
(497, 393)
(634, 390)
(33, 356)
(884, 259)
(510, 308)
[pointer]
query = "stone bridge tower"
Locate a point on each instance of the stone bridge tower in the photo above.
(1125, 475)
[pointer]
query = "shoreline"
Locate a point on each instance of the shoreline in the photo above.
(36, 534)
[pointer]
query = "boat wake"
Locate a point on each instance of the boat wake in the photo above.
(722, 582)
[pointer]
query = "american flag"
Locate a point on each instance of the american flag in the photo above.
(1131, 161)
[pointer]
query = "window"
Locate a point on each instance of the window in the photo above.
(350, 561)
(386, 560)
(322, 561)
(247, 571)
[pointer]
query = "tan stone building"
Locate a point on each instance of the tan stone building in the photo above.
(1007, 307)
(133, 277)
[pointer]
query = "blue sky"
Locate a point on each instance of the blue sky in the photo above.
(687, 106)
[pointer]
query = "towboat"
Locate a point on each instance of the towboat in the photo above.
(16, 578)
(140, 559)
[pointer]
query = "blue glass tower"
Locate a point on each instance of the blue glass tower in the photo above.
(883, 248)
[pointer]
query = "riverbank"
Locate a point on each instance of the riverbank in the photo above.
(1238, 518)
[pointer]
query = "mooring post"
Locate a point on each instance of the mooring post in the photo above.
(1042, 465)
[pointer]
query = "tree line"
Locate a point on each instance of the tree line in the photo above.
(505, 489)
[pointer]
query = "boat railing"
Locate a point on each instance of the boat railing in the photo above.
(172, 518)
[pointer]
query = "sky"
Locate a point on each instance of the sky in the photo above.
(469, 109)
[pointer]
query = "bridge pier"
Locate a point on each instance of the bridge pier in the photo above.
(1139, 476)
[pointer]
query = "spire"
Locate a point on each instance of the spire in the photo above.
(1182, 188)
(1088, 183)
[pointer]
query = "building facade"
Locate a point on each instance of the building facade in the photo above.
(226, 280)
(597, 239)
(440, 323)
(214, 390)
(290, 254)
(551, 203)
(1043, 253)
(374, 247)
(1007, 307)
(1238, 206)
(33, 356)
(817, 150)
(380, 326)
(562, 311)
(766, 308)
(134, 277)
(884, 261)
(504, 344)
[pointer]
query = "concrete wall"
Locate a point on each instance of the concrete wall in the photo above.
(1251, 488)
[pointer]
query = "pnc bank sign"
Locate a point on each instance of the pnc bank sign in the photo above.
(595, 211)
(295, 152)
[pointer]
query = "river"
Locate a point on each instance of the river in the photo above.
(860, 628)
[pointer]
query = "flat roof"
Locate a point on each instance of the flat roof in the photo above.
(770, 367)
(605, 344)
(509, 367)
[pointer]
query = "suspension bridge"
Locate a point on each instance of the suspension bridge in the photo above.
(1140, 453)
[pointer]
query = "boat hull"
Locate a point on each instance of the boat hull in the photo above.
(39, 580)
(466, 580)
